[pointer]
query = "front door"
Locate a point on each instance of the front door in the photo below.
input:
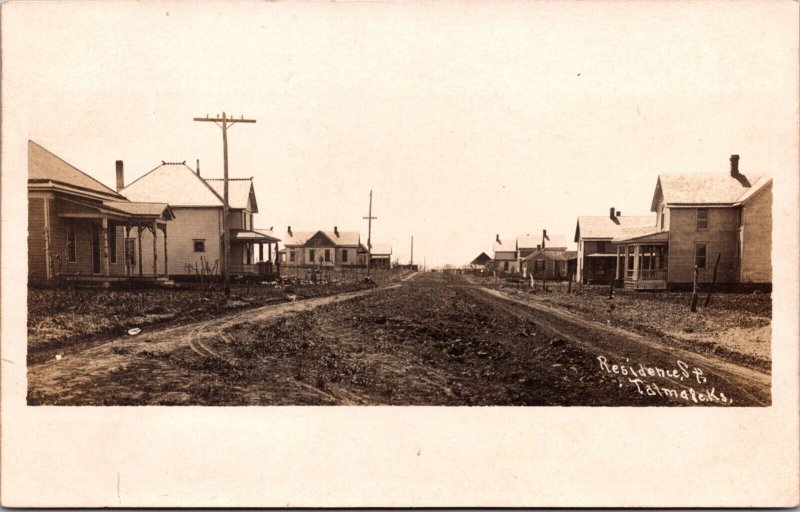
(95, 249)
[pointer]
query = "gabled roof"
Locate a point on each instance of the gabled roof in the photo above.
(252, 235)
(155, 210)
(343, 239)
(702, 188)
(482, 259)
(240, 190)
(533, 241)
(553, 255)
(760, 184)
(602, 227)
(296, 238)
(174, 183)
(45, 169)
(642, 234)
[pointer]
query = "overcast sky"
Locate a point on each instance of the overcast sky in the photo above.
(466, 119)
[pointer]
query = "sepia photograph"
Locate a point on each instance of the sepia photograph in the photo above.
(512, 208)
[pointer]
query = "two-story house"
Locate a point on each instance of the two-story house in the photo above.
(195, 243)
(702, 219)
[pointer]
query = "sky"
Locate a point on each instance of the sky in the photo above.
(466, 119)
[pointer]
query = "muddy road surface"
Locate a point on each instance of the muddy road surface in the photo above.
(429, 340)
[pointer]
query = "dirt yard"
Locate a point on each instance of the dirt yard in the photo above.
(61, 317)
(734, 326)
(429, 340)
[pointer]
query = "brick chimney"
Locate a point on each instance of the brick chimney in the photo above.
(497, 238)
(612, 213)
(734, 166)
(336, 231)
(120, 176)
(289, 230)
(198, 167)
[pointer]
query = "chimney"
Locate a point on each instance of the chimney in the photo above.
(734, 166)
(619, 214)
(336, 230)
(613, 214)
(289, 230)
(120, 176)
(198, 167)
(497, 238)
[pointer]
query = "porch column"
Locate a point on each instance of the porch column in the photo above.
(616, 268)
(166, 257)
(139, 230)
(125, 244)
(261, 251)
(104, 263)
(636, 262)
(155, 249)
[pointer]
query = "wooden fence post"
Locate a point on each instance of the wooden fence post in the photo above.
(713, 280)
(694, 291)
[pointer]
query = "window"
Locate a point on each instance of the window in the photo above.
(344, 256)
(112, 244)
(291, 255)
(700, 255)
(505, 265)
(539, 265)
(327, 255)
(199, 246)
(311, 255)
(130, 251)
(702, 218)
(72, 240)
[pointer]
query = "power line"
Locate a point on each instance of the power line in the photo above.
(224, 122)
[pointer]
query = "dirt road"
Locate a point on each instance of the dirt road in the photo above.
(429, 340)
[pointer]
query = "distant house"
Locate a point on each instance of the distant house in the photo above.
(323, 249)
(529, 244)
(702, 217)
(550, 264)
(79, 229)
(505, 255)
(381, 256)
(481, 262)
(597, 253)
(196, 243)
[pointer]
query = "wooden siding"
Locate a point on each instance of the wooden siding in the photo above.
(720, 238)
(37, 261)
(757, 238)
(190, 224)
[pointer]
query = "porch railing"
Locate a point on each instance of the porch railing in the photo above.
(646, 275)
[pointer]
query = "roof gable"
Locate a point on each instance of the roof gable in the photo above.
(44, 166)
(534, 241)
(592, 227)
(174, 183)
(241, 194)
(319, 239)
(701, 188)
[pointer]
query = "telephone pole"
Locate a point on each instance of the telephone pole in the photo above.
(369, 218)
(224, 122)
(412, 251)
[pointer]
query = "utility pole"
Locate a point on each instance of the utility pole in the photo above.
(369, 218)
(412, 251)
(224, 122)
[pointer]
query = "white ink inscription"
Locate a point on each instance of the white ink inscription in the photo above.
(680, 382)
